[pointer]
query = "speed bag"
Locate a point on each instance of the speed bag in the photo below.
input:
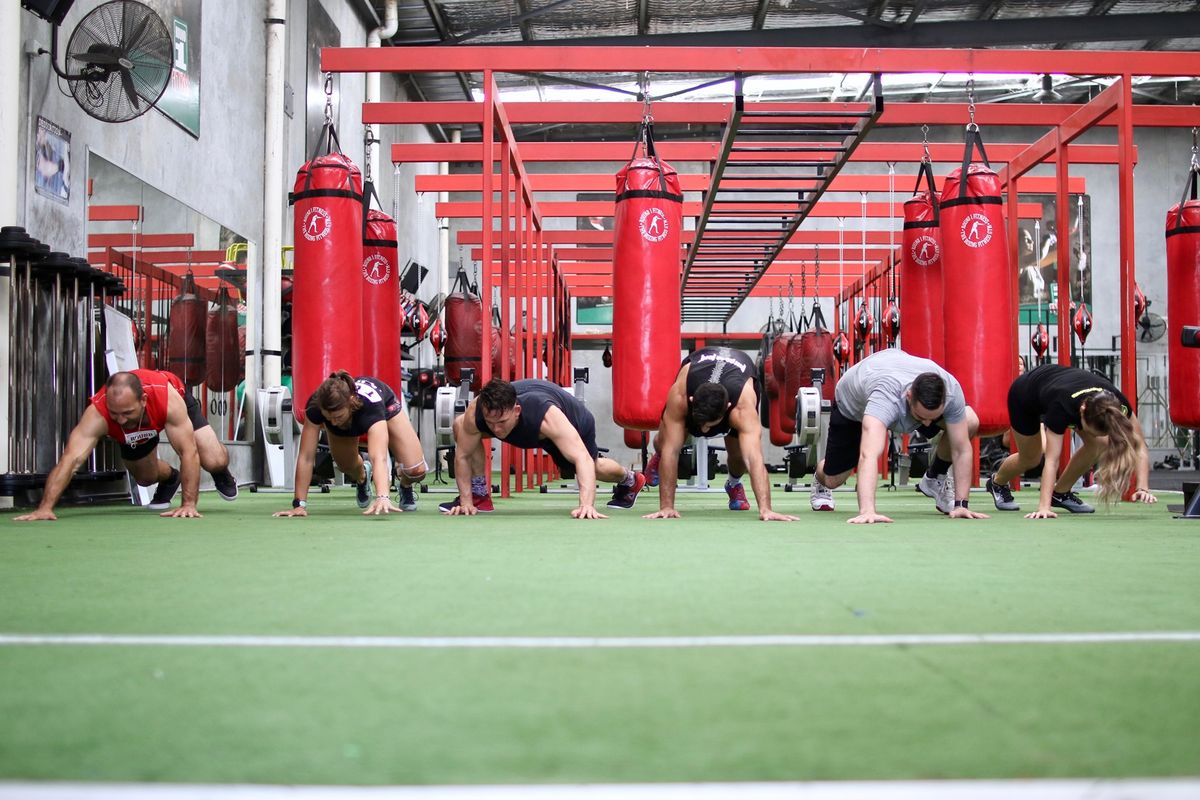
(977, 293)
(327, 270)
(779, 363)
(646, 306)
(775, 427)
(921, 280)
(1183, 300)
(381, 315)
(185, 334)
(815, 351)
(225, 363)
(464, 334)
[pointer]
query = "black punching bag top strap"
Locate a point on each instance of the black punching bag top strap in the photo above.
(1189, 184)
(925, 171)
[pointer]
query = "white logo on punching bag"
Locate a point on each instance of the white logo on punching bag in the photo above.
(316, 224)
(653, 225)
(376, 269)
(925, 250)
(976, 230)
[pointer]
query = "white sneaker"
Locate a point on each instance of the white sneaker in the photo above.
(821, 497)
(940, 489)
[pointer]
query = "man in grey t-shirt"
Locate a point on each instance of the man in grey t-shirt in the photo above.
(892, 390)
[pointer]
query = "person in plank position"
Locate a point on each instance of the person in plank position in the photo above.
(892, 390)
(1070, 398)
(530, 414)
(133, 408)
(347, 408)
(715, 394)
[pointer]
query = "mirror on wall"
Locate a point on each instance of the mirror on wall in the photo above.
(185, 298)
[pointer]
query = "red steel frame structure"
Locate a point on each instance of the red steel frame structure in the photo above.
(526, 251)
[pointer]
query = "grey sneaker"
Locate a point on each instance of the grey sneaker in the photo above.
(408, 498)
(940, 489)
(821, 497)
(1071, 502)
(1002, 496)
(365, 489)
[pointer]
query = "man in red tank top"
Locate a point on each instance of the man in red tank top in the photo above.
(133, 408)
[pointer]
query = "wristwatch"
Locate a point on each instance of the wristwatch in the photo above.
(298, 503)
(961, 503)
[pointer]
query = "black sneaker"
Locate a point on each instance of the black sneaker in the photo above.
(165, 492)
(482, 503)
(226, 485)
(1071, 502)
(623, 496)
(408, 498)
(1002, 496)
(363, 488)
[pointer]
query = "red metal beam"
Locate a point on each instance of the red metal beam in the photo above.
(114, 213)
(572, 258)
(698, 182)
(849, 238)
(618, 152)
(145, 240)
(632, 58)
(599, 208)
(1067, 131)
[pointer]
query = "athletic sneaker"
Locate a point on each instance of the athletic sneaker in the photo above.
(651, 471)
(165, 492)
(1071, 502)
(940, 489)
(226, 485)
(408, 498)
(1002, 496)
(737, 496)
(364, 489)
(482, 502)
(821, 497)
(623, 496)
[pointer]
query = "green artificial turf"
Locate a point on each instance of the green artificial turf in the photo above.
(307, 715)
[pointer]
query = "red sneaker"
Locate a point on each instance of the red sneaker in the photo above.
(737, 497)
(482, 503)
(623, 496)
(651, 472)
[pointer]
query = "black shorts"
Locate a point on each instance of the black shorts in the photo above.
(143, 449)
(587, 432)
(845, 439)
(1023, 413)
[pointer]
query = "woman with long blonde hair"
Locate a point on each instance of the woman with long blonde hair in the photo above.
(347, 408)
(1070, 398)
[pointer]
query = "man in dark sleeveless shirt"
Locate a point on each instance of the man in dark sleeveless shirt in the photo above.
(715, 394)
(133, 408)
(531, 414)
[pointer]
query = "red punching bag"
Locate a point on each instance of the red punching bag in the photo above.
(381, 320)
(226, 364)
(1183, 304)
(464, 332)
(779, 437)
(635, 440)
(816, 352)
(646, 306)
(977, 288)
(921, 274)
(327, 202)
(185, 334)
(779, 364)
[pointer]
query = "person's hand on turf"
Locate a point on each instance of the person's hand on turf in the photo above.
(464, 508)
(33, 516)
(662, 513)
(1042, 514)
(292, 512)
(775, 516)
(183, 512)
(382, 504)
(868, 518)
(587, 512)
(1143, 496)
(966, 513)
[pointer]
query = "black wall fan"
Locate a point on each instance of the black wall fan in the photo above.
(123, 53)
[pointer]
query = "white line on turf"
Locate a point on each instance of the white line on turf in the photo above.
(1067, 789)
(593, 642)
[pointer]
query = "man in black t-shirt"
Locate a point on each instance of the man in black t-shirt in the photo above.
(530, 414)
(715, 394)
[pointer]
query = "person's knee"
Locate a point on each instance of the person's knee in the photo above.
(413, 473)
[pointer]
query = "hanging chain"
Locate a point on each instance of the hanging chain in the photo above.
(644, 90)
(328, 97)
(368, 140)
(971, 126)
(842, 263)
(1196, 149)
(925, 144)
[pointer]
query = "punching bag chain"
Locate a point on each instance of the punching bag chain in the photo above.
(971, 126)
(925, 144)
(1195, 149)
(328, 97)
